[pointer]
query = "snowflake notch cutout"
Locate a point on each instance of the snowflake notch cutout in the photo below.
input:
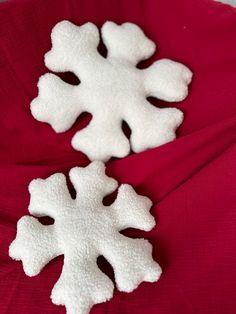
(83, 230)
(112, 89)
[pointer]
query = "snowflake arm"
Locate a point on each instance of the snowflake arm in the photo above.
(73, 48)
(35, 244)
(127, 42)
(81, 285)
(132, 210)
(100, 132)
(151, 126)
(65, 110)
(50, 196)
(131, 266)
(167, 80)
(92, 180)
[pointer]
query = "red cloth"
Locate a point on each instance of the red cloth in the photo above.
(191, 180)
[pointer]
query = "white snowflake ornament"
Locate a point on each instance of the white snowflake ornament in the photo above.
(83, 230)
(112, 89)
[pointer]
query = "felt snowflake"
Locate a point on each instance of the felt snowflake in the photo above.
(112, 89)
(83, 230)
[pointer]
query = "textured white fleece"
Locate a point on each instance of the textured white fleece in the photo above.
(84, 229)
(112, 89)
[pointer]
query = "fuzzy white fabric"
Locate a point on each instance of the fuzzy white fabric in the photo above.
(229, 2)
(84, 229)
(112, 89)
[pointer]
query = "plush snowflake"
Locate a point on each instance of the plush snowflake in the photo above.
(84, 229)
(112, 89)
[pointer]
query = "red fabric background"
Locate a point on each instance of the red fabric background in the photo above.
(191, 181)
